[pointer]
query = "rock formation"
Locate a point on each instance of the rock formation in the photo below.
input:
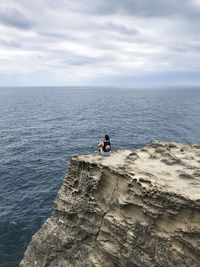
(133, 209)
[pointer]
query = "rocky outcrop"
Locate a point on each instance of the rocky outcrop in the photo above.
(134, 208)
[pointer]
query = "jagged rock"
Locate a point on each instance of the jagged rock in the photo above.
(132, 209)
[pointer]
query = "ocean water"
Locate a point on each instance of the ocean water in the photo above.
(41, 128)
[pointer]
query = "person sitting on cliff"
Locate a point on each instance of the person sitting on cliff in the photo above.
(104, 146)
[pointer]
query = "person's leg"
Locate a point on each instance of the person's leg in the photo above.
(100, 151)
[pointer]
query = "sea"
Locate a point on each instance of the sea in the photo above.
(41, 128)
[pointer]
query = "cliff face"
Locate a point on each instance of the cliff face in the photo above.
(135, 208)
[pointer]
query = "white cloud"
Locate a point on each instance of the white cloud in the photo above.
(58, 42)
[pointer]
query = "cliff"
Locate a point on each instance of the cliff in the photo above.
(133, 209)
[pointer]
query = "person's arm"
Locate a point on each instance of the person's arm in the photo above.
(100, 144)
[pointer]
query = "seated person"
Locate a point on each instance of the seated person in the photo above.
(104, 147)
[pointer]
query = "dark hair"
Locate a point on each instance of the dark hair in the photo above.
(107, 137)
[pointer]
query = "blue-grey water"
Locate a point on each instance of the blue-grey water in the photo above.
(41, 128)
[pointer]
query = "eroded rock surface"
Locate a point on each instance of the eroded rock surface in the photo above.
(134, 209)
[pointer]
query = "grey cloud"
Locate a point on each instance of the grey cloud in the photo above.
(93, 60)
(184, 48)
(52, 35)
(57, 4)
(10, 44)
(177, 48)
(58, 35)
(144, 8)
(122, 29)
(93, 37)
(152, 8)
(73, 59)
(14, 18)
(194, 47)
(80, 61)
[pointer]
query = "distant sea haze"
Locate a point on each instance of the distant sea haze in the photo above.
(41, 128)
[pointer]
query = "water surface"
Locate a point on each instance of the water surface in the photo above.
(41, 128)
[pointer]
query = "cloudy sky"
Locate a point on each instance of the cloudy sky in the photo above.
(101, 42)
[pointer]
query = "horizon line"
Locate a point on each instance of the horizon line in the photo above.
(111, 86)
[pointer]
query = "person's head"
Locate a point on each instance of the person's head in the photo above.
(107, 137)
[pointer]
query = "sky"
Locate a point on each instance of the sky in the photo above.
(101, 42)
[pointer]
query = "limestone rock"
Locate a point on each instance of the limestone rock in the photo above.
(133, 209)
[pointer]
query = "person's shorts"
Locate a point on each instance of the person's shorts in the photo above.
(105, 154)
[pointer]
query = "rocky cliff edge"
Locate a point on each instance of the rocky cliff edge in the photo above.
(133, 209)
